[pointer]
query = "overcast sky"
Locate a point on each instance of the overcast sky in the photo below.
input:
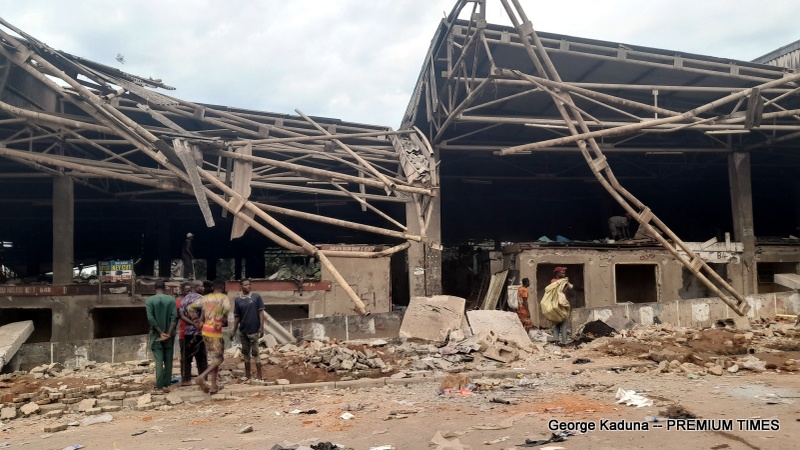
(358, 60)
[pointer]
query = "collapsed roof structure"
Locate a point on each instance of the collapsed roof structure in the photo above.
(110, 132)
(505, 91)
(519, 127)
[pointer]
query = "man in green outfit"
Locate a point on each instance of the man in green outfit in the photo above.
(163, 316)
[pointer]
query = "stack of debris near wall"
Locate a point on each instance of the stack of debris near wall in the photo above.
(441, 319)
(768, 345)
(331, 356)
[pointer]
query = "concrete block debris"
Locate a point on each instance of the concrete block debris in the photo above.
(504, 324)
(12, 336)
(432, 318)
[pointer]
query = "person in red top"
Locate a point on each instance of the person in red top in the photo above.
(194, 347)
(523, 312)
(214, 309)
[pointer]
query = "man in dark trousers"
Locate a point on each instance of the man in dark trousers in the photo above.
(162, 316)
(186, 288)
(248, 318)
(188, 257)
(195, 347)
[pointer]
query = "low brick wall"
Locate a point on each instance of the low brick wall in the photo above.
(128, 348)
(698, 312)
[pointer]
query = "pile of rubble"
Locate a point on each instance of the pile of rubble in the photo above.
(83, 402)
(128, 371)
(712, 351)
(330, 355)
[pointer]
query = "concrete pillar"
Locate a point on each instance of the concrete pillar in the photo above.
(425, 258)
(63, 229)
(742, 209)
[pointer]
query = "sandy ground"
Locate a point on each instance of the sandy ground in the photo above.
(408, 416)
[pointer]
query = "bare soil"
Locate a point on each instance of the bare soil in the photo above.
(408, 416)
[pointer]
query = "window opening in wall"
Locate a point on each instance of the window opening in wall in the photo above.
(636, 283)
(283, 313)
(119, 321)
(544, 273)
(42, 321)
(766, 275)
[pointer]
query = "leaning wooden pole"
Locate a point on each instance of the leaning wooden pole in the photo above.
(307, 247)
(366, 165)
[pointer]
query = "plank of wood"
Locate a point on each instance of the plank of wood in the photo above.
(242, 176)
(186, 157)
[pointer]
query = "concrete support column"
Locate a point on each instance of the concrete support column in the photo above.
(63, 229)
(425, 258)
(742, 206)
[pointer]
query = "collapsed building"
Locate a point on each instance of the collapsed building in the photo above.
(510, 134)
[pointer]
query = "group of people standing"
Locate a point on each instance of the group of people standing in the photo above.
(198, 318)
(561, 287)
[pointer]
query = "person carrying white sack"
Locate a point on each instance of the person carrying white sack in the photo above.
(555, 306)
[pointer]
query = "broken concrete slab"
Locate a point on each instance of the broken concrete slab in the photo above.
(8, 413)
(433, 318)
(269, 340)
(281, 334)
(12, 336)
(790, 280)
(505, 324)
(500, 352)
(86, 404)
(29, 408)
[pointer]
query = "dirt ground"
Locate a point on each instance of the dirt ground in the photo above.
(409, 415)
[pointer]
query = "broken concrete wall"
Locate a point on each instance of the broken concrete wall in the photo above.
(71, 317)
(771, 260)
(432, 318)
(314, 301)
(381, 325)
(12, 336)
(132, 348)
(77, 353)
(370, 278)
(698, 313)
(505, 324)
(66, 318)
(600, 267)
